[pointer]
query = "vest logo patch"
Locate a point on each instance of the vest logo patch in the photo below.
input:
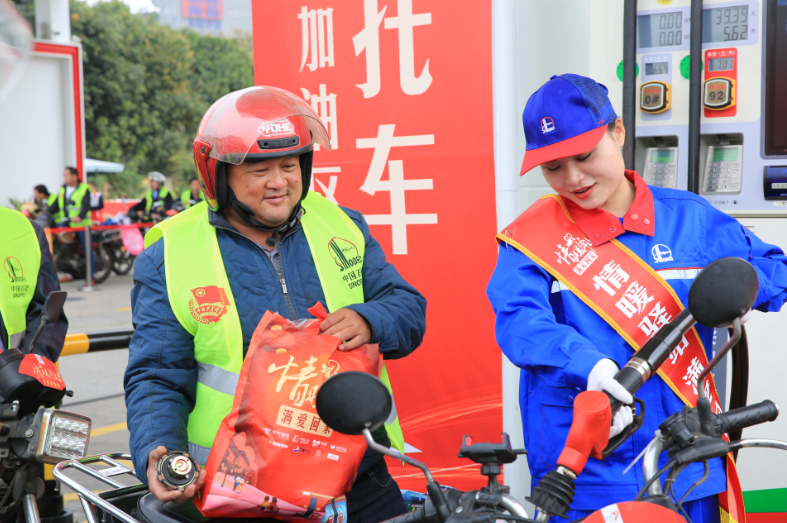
(209, 304)
(344, 253)
(14, 269)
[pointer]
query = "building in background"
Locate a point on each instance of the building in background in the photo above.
(216, 17)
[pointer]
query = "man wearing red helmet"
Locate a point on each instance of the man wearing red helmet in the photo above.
(260, 241)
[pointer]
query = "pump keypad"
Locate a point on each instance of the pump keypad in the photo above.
(723, 169)
(661, 167)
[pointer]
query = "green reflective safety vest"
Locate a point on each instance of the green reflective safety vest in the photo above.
(162, 193)
(74, 205)
(185, 198)
(194, 282)
(21, 257)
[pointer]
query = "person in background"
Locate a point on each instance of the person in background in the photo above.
(72, 203)
(191, 196)
(157, 192)
(96, 204)
(42, 197)
(72, 206)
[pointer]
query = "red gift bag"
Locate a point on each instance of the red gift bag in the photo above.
(273, 456)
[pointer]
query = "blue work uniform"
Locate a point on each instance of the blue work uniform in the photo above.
(556, 339)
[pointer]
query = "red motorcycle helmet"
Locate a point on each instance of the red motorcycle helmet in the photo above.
(256, 123)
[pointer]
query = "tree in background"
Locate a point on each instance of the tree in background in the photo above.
(146, 88)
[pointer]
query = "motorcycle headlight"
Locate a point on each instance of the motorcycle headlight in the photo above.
(64, 436)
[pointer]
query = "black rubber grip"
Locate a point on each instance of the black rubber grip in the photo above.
(630, 378)
(417, 516)
(746, 417)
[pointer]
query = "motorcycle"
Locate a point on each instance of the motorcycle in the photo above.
(356, 403)
(122, 260)
(69, 257)
(31, 433)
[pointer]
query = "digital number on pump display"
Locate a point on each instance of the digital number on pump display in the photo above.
(725, 24)
(660, 30)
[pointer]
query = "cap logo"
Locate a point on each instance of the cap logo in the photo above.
(547, 125)
(279, 128)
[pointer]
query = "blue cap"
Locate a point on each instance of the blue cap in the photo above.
(566, 116)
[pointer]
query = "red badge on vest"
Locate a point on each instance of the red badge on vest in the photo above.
(43, 370)
(209, 304)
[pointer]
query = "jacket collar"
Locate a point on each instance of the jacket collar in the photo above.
(601, 226)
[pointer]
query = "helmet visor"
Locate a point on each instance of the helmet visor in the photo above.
(260, 113)
(16, 42)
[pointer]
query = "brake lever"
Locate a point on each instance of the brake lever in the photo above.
(633, 427)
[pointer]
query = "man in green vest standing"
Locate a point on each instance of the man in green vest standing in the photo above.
(72, 207)
(260, 241)
(192, 195)
(72, 204)
(27, 279)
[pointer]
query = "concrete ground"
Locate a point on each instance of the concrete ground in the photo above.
(97, 379)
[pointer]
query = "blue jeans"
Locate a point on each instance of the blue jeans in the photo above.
(375, 496)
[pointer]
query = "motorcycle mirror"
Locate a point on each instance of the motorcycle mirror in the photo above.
(724, 290)
(352, 401)
(53, 305)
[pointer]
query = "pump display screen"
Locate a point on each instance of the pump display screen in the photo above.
(662, 156)
(725, 24)
(776, 79)
(720, 64)
(725, 155)
(657, 68)
(660, 30)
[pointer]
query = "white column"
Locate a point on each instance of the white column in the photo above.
(53, 20)
(507, 164)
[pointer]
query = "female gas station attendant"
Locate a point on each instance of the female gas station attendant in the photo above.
(602, 232)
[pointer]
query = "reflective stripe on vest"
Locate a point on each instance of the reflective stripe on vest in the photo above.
(202, 301)
(162, 193)
(21, 257)
(74, 204)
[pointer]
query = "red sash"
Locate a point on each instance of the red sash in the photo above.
(631, 297)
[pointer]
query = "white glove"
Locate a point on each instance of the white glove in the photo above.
(602, 378)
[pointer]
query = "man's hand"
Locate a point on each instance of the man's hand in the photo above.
(348, 326)
(163, 492)
(76, 219)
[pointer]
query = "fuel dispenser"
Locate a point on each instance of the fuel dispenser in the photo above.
(743, 123)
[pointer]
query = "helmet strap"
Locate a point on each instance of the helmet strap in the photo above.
(245, 213)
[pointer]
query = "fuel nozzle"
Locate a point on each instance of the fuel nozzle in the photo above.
(554, 493)
(177, 469)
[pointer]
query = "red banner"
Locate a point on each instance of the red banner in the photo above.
(404, 88)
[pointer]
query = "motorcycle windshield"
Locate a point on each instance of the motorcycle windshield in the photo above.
(16, 42)
(245, 116)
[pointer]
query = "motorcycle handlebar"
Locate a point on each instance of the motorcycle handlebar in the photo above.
(746, 417)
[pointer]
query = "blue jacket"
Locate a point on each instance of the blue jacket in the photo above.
(544, 329)
(161, 377)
